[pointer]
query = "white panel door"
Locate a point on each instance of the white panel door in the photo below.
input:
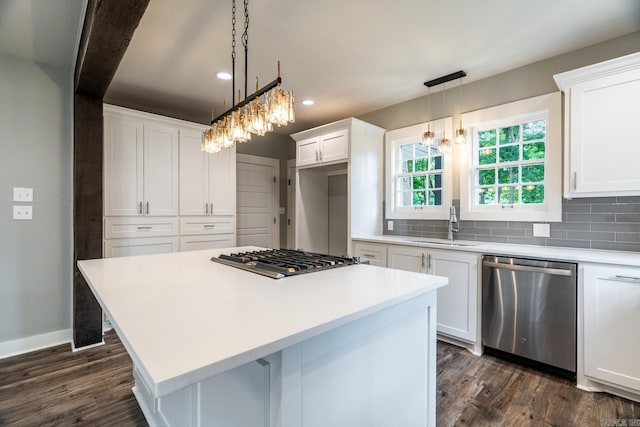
(222, 182)
(122, 166)
(161, 150)
(193, 174)
(257, 202)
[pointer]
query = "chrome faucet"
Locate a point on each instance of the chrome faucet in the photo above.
(454, 225)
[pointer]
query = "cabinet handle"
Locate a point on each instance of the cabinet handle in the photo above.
(210, 208)
(369, 256)
(145, 228)
(429, 262)
(320, 155)
(140, 208)
(621, 278)
(209, 226)
(316, 155)
(147, 208)
(206, 208)
(423, 260)
(574, 183)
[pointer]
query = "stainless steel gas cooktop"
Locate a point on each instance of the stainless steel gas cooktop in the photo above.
(279, 263)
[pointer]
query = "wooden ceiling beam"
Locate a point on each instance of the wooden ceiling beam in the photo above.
(108, 28)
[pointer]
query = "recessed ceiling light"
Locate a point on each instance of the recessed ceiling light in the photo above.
(223, 76)
(308, 102)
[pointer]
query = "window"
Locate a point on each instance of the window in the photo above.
(513, 161)
(418, 183)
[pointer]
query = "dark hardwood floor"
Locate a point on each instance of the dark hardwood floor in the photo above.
(55, 387)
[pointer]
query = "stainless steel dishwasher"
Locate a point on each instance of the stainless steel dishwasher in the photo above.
(529, 310)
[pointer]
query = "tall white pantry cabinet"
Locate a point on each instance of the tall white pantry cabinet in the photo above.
(161, 193)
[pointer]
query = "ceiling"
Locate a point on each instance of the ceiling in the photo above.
(41, 31)
(351, 57)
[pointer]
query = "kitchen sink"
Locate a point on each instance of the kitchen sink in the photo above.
(443, 242)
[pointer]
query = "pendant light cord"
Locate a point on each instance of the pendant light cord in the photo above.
(245, 43)
(233, 52)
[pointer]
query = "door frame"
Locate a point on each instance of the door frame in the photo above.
(291, 203)
(274, 227)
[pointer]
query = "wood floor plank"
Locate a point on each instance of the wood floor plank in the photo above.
(56, 387)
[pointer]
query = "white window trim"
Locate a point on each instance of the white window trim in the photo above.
(392, 139)
(551, 210)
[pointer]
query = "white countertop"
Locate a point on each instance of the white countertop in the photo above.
(510, 249)
(183, 318)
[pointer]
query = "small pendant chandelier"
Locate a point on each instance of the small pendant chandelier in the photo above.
(428, 138)
(249, 115)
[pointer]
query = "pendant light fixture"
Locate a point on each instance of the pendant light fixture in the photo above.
(460, 138)
(427, 137)
(444, 144)
(249, 115)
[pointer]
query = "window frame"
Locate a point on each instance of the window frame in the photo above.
(394, 139)
(518, 112)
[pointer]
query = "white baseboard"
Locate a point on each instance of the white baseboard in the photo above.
(35, 342)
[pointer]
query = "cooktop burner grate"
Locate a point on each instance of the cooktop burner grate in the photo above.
(279, 263)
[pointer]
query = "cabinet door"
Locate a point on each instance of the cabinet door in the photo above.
(308, 152)
(161, 150)
(122, 166)
(611, 319)
(458, 301)
(335, 146)
(222, 182)
(375, 253)
(601, 150)
(193, 174)
(407, 258)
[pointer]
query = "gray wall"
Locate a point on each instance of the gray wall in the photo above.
(604, 223)
(280, 147)
(35, 151)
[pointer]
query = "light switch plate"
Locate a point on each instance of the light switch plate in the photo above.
(390, 225)
(541, 230)
(282, 210)
(22, 194)
(23, 212)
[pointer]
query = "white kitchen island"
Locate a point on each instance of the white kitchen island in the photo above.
(215, 345)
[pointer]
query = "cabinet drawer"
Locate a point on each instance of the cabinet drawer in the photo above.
(114, 248)
(207, 225)
(126, 227)
(207, 241)
(376, 254)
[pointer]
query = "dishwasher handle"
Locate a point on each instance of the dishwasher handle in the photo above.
(517, 267)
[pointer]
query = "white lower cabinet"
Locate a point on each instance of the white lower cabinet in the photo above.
(458, 301)
(458, 309)
(375, 253)
(239, 397)
(611, 319)
(408, 258)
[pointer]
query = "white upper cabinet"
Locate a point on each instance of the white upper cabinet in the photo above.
(322, 149)
(207, 181)
(601, 150)
(140, 166)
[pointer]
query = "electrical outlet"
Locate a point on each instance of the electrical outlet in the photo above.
(23, 212)
(541, 230)
(22, 194)
(390, 225)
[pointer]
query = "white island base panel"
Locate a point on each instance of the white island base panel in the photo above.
(379, 370)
